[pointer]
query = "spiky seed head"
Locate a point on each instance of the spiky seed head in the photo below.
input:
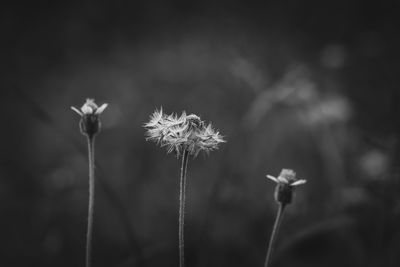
(180, 133)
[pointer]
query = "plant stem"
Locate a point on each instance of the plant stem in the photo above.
(277, 223)
(89, 232)
(182, 189)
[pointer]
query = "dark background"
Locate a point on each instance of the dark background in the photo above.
(307, 85)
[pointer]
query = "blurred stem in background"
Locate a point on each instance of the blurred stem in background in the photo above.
(182, 200)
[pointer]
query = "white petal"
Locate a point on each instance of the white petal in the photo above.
(77, 110)
(101, 109)
(298, 182)
(273, 178)
(86, 110)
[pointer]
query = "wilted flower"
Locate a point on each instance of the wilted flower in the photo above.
(285, 183)
(186, 132)
(90, 112)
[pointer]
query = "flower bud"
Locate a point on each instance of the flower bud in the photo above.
(90, 122)
(285, 184)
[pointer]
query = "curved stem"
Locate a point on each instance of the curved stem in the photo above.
(182, 200)
(277, 223)
(89, 232)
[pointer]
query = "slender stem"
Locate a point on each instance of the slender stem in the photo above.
(277, 223)
(89, 233)
(182, 199)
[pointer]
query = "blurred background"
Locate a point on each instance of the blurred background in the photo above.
(306, 85)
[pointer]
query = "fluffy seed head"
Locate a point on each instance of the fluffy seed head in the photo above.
(180, 133)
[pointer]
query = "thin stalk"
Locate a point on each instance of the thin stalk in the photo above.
(272, 239)
(182, 200)
(89, 233)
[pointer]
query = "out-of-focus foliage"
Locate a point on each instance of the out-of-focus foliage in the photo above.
(306, 85)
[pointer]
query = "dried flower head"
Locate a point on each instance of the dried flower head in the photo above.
(90, 112)
(286, 181)
(186, 132)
